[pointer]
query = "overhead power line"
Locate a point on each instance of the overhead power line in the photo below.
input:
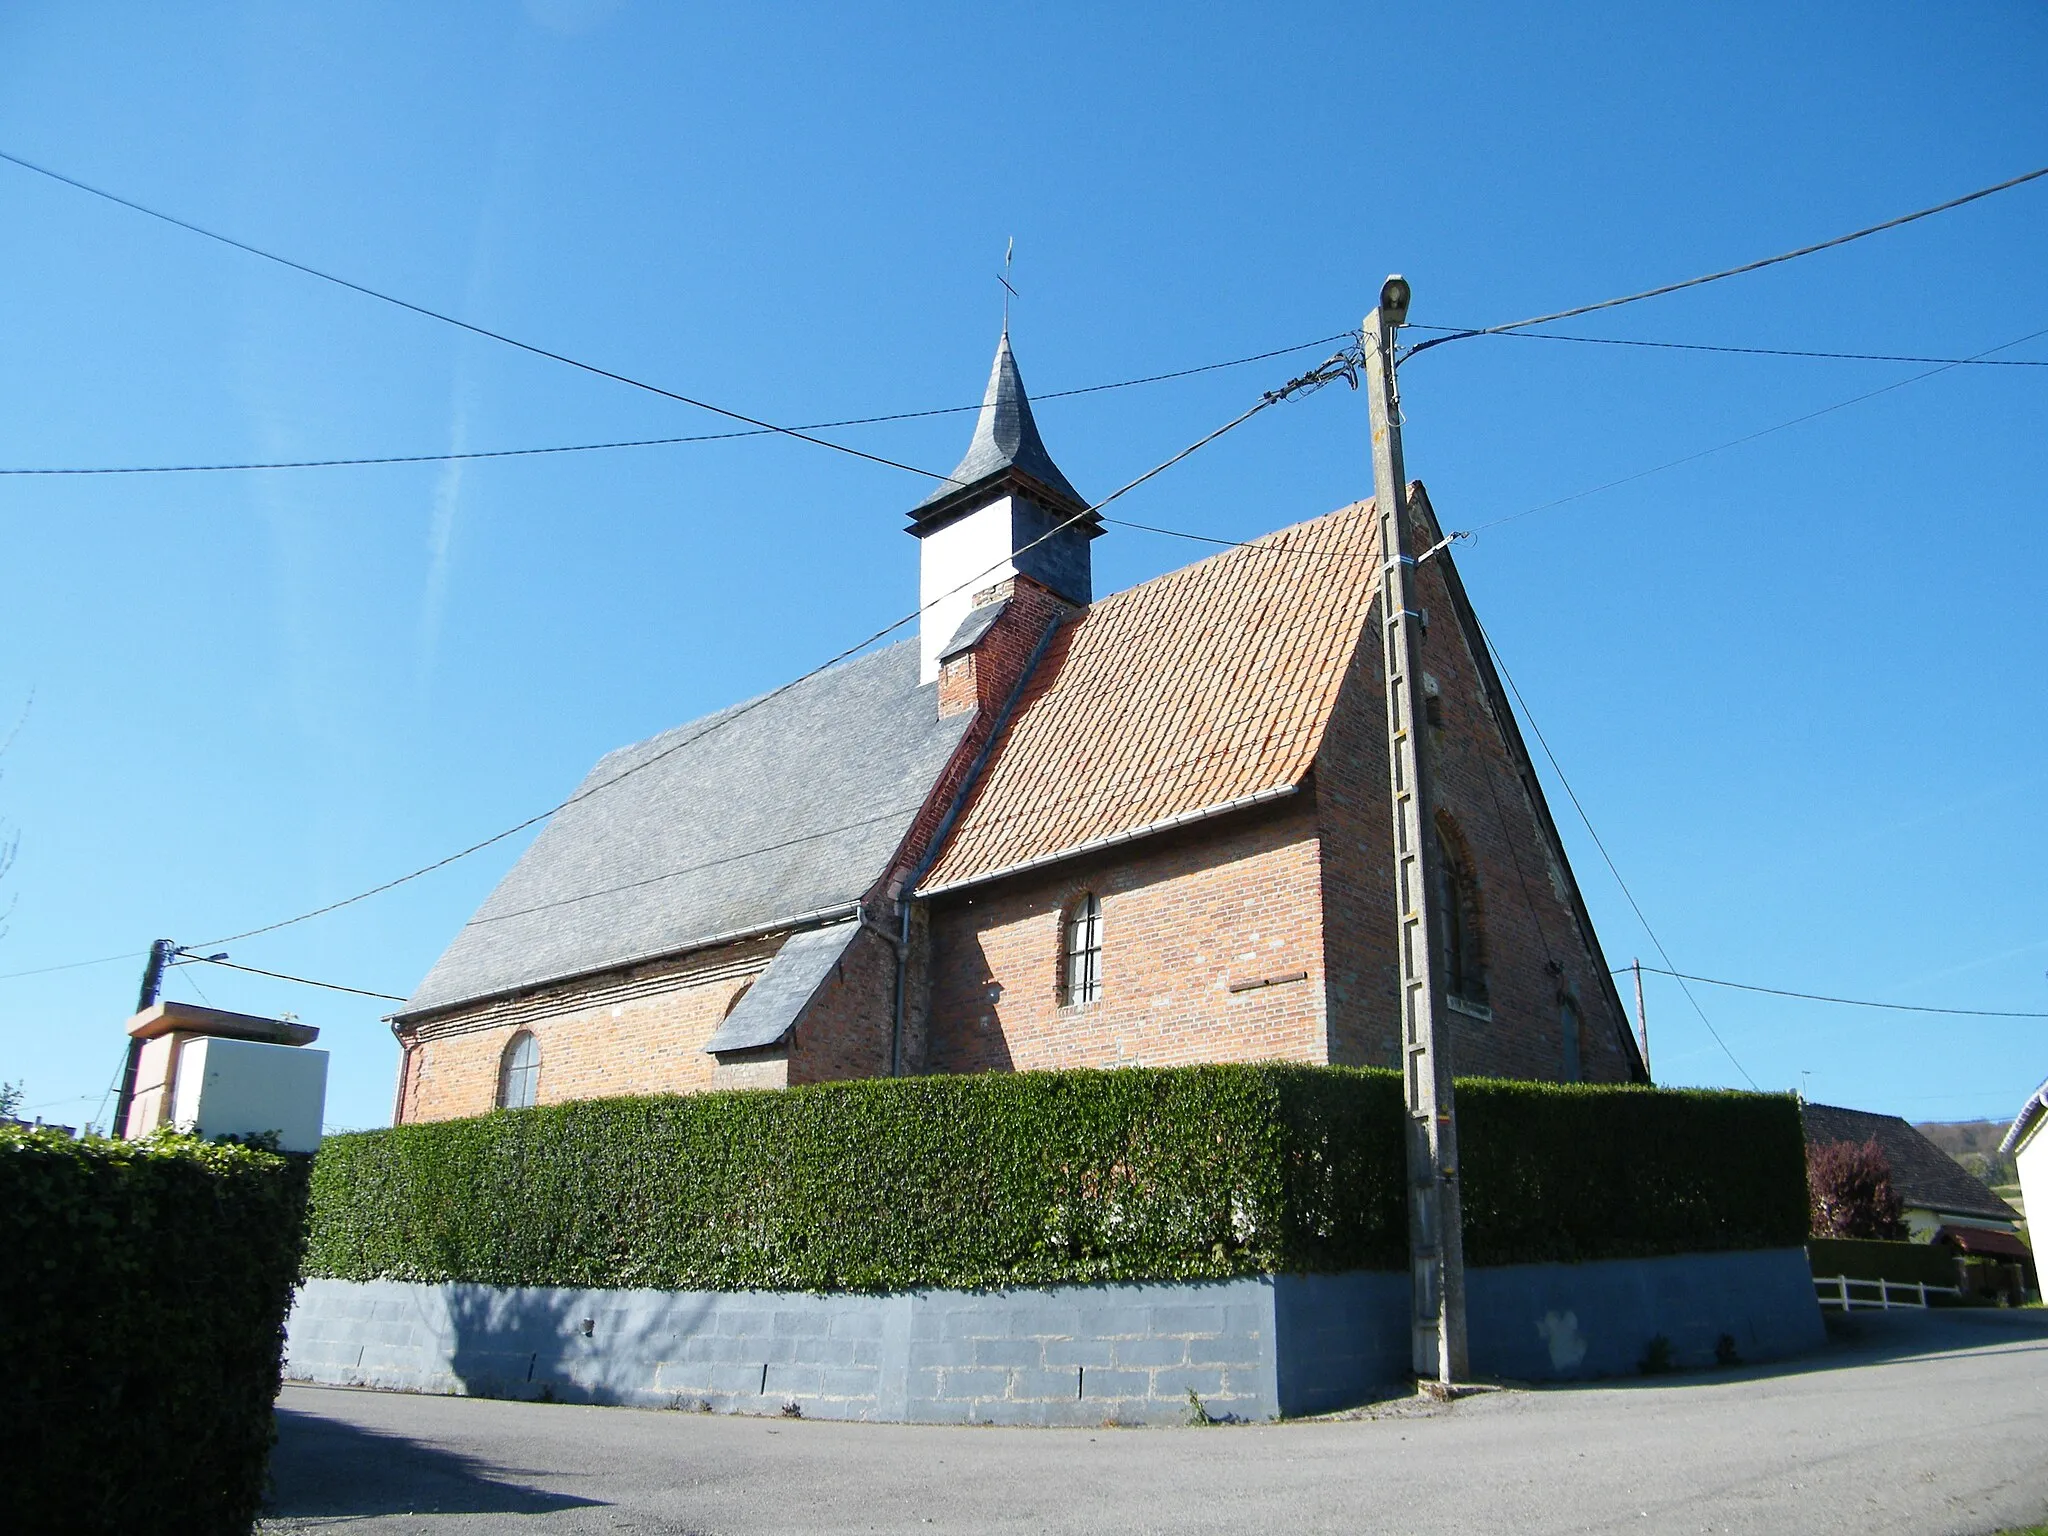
(476, 330)
(1750, 437)
(1523, 705)
(303, 981)
(1849, 1002)
(1343, 365)
(1747, 266)
(1703, 346)
(1608, 485)
(649, 442)
(73, 965)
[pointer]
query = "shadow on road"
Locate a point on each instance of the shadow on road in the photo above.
(1937, 1330)
(322, 1466)
(1863, 1339)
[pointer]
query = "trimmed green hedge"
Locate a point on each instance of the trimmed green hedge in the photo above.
(989, 1180)
(1040, 1178)
(1564, 1173)
(142, 1305)
(1872, 1259)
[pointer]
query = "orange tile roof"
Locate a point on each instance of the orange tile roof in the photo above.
(1202, 687)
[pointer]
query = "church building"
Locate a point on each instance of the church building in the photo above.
(1050, 831)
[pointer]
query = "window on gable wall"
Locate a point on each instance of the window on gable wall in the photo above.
(519, 1074)
(1463, 934)
(1081, 952)
(1568, 1022)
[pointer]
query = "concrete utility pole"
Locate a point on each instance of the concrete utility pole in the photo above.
(1436, 1235)
(160, 955)
(1642, 1017)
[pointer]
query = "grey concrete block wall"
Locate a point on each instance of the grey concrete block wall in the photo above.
(1254, 1348)
(1571, 1322)
(1064, 1355)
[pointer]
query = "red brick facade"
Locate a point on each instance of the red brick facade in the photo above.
(636, 1031)
(1539, 951)
(1184, 918)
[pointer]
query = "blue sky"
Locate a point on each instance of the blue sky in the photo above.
(1796, 684)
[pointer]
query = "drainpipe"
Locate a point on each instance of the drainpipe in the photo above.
(902, 987)
(405, 1050)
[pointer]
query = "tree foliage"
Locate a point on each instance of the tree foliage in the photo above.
(1850, 1194)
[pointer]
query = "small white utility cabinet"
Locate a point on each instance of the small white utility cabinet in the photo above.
(216, 1073)
(244, 1088)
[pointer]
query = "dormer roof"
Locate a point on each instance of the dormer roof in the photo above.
(1006, 453)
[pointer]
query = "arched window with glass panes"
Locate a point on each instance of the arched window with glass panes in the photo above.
(1081, 951)
(519, 1072)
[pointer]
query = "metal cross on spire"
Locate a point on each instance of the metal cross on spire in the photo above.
(1003, 277)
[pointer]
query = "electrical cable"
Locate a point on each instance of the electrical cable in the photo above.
(476, 330)
(1749, 437)
(74, 965)
(193, 983)
(1595, 490)
(644, 442)
(1343, 365)
(304, 981)
(955, 410)
(1577, 805)
(1748, 266)
(1851, 1002)
(1702, 346)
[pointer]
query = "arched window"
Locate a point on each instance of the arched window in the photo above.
(519, 1073)
(1463, 932)
(1568, 1023)
(1081, 951)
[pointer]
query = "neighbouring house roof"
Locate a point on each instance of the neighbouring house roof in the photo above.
(1005, 442)
(771, 1005)
(2024, 1122)
(768, 813)
(1977, 1241)
(1206, 688)
(1924, 1176)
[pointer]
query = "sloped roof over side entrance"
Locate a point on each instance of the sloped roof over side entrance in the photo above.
(768, 812)
(1204, 688)
(783, 991)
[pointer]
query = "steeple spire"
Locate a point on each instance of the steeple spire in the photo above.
(1006, 445)
(1006, 512)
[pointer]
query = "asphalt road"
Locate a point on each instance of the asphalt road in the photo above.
(1924, 1423)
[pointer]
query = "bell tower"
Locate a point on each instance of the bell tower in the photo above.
(1003, 498)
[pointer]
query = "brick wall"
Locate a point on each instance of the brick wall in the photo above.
(1183, 917)
(845, 1031)
(982, 678)
(636, 1031)
(1304, 889)
(1536, 950)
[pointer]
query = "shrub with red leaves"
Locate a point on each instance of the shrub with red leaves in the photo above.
(1850, 1188)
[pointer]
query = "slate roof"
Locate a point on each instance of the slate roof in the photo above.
(785, 806)
(784, 990)
(1005, 440)
(1204, 687)
(1925, 1176)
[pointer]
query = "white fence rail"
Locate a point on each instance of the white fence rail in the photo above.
(1876, 1295)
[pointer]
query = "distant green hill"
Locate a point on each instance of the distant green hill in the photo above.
(1974, 1144)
